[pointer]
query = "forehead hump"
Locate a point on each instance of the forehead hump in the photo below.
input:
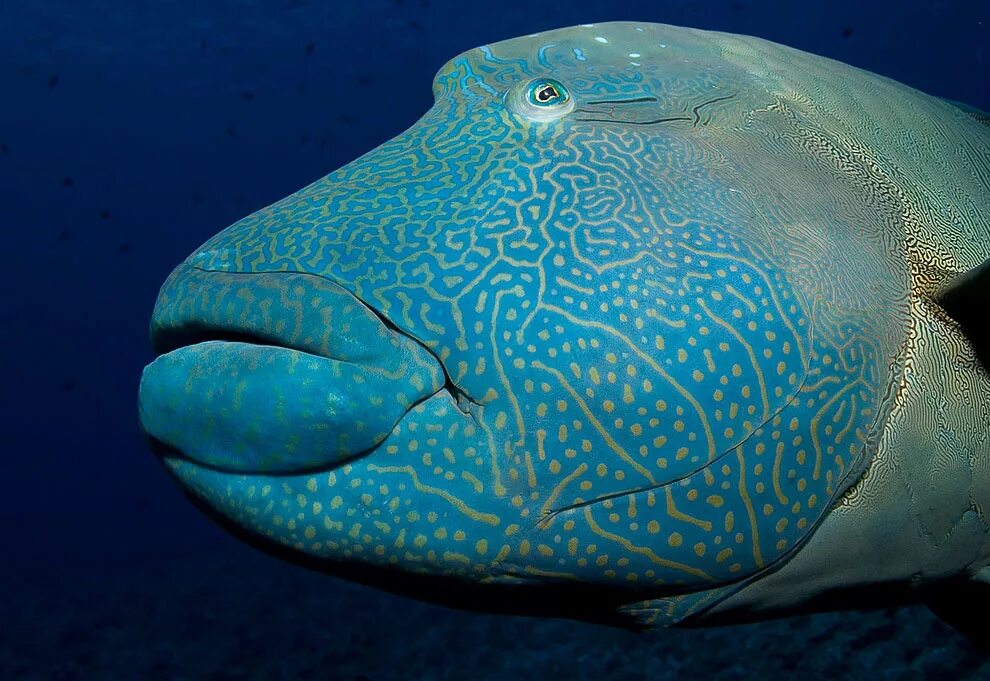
(595, 58)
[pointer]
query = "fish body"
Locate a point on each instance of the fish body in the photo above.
(637, 324)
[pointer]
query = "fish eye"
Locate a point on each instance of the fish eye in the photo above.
(542, 99)
(547, 93)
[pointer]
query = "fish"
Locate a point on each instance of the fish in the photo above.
(639, 324)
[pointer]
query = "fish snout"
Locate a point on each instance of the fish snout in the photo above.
(275, 372)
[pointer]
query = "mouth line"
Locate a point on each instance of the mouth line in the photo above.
(170, 339)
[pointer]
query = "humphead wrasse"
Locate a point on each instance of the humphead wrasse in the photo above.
(638, 324)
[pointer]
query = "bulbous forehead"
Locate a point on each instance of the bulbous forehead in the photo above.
(595, 59)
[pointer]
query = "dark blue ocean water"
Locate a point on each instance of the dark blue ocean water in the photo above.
(132, 131)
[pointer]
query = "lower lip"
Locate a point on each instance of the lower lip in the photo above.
(257, 408)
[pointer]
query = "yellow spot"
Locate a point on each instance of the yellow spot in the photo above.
(675, 539)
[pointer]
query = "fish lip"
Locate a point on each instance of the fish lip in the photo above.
(275, 372)
(169, 339)
(189, 330)
(232, 344)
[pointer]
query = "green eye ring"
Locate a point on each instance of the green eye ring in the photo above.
(542, 99)
(547, 93)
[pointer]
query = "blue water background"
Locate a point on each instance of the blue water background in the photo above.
(132, 131)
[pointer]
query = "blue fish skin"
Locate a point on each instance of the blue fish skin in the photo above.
(612, 329)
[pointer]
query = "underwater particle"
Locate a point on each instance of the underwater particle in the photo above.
(847, 32)
(4, 149)
(231, 131)
(64, 235)
(104, 214)
(125, 248)
(364, 80)
(69, 384)
(416, 26)
(737, 6)
(309, 49)
(346, 119)
(52, 81)
(67, 181)
(248, 96)
(202, 44)
(197, 198)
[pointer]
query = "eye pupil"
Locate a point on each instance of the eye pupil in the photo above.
(546, 93)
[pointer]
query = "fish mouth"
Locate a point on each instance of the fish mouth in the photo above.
(275, 372)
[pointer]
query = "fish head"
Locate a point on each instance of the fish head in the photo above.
(536, 353)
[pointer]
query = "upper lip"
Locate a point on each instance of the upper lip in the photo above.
(182, 315)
